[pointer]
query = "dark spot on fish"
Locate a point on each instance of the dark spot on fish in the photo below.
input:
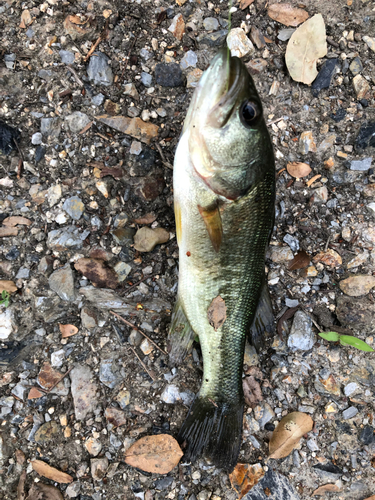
(188, 254)
(257, 198)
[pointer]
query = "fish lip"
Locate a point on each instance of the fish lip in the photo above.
(221, 112)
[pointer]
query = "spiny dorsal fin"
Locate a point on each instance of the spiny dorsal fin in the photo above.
(212, 219)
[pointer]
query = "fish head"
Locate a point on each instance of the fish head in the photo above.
(229, 144)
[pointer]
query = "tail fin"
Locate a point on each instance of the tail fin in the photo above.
(213, 429)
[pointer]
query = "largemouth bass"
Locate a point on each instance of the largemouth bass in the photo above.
(224, 196)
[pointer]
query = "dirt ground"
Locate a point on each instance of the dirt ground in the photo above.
(90, 180)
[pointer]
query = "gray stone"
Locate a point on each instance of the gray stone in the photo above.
(163, 483)
(77, 121)
(356, 66)
(146, 79)
(351, 389)
(145, 54)
(84, 390)
(263, 414)
(74, 207)
(107, 299)
(67, 237)
(109, 373)
(50, 127)
(88, 318)
(285, 34)
(7, 323)
(362, 165)
(61, 281)
(189, 60)
(169, 75)
(36, 138)
(115, 441)
(171, 394)
(312, 445)
(272, 486)
(73, 489)
(122, 270)
(349, 412)
(123, 398)
(99, 70)
(211, 24)
(49, 308)
(67, 57)
(215, 39)
(292, 242)
(58, 358)
(301, 335)
(99, 467)
(23, 273)
(21, 389)
(98, 99)
(46, 74)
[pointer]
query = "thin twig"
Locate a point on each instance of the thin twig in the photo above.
(277, 120)
(165, 162)
(138, 282)
(142, 363)
(103, 35)
(140, 331)
(74, 73)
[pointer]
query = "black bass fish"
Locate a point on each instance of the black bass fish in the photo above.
(224, 198)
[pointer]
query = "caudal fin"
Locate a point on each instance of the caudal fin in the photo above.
(213, 430)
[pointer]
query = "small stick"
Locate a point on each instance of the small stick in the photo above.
(138, 282)
(74, 73)
(165, 162)
(277, 120)
(140, 331)
(62, 378)
(103, 35)
(142, 363)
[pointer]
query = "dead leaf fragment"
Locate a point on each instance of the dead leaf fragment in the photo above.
(48, 377)
(41, 491)
(46, 470)
(285, 14)
(159, 454)
(35, 393)
(135, 127)
(355, 286)
(8, 231)
(77, 27)
(299, 261)
(245, 3)
(329, 258)
(26, 19)
(252, 390)
(97, 271)
(217, 312)
(372, 497)
(326, 488)
(115, 417)
(16, 220)
(146, 219)
(7, 286)
(67, 330)
(297, 169)
(306, 45)
(288, 433)
(245, 477)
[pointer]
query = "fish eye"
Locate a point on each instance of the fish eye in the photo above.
(249, 112)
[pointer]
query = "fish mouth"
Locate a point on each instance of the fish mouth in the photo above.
(232, 73)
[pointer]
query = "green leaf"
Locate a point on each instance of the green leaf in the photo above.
(331, 336)
(354, 342)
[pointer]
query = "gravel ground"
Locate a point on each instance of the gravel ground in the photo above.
(92, 203)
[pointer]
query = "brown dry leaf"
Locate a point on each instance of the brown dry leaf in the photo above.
(78, 28)
(326, 488)
(16, 220)
(252, 391)
(305, 47)
(46, 470)
(372, 497)
(48, 377)
(115, 172)
(299, 261)
(35, 393)
(21, 486)
(7, 286)
(217, 312)
(146, 219)
(245, 3)
(41, 491)
(297, 169)
(288, 433)
(245, 477)
(97, 272)
(159, 454)
(26, 19)
(8, 231)
(329, 258)
(285, 14)
(313, 179)
(67, 330)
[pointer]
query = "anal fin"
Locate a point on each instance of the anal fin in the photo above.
(181, 335)
(263, 320)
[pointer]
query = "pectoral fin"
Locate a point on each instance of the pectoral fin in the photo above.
(181, 335)
(264, 318)
(177, 215)
(212, 219)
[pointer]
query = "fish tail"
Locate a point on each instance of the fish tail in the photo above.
(213, 429)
